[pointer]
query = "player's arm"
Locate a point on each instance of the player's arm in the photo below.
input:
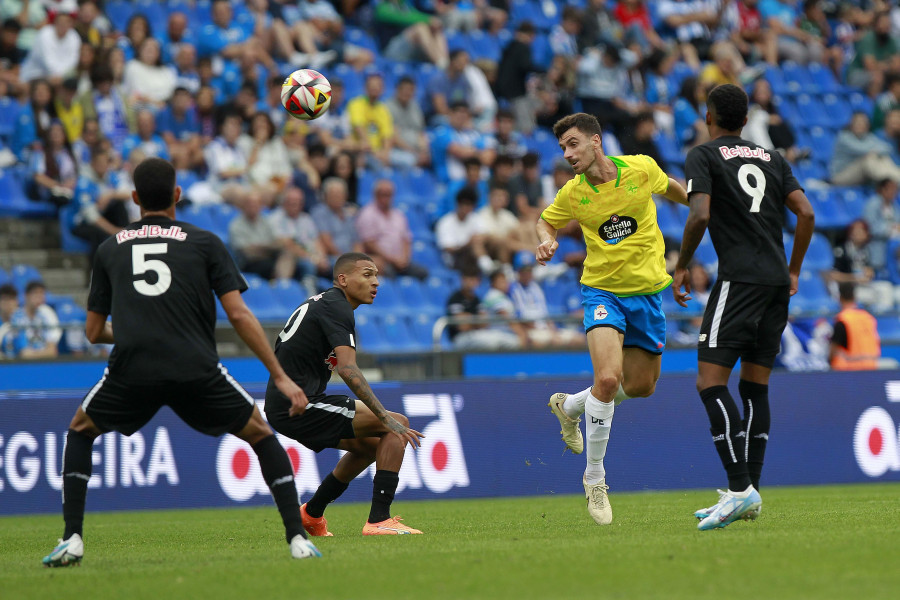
(97, 329)
(246, 325)
(799, 204)
(694, 228)
(676, 193)
(353, 377)
(547, 248)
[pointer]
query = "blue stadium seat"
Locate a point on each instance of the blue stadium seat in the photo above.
(411, 293)
(788, 110)
(221, 315)
(4, 276)
(438, 290)
(853, 198)
(360, 38)
(798, 78)
(545, 144)
(819, 255)
(669, 149)
(354, 83)
(290, 294)
(263, 303)
(706, 254)
(422, 326)
(426, 254)
(823, 78)
(371, 334)
(822, 143)
(541, 52)
(118, 12)
(388, 298)
(485, 46)
(21, 275)
(830, 211)
(398, 333)
(811, 111)
(812, 296)
(889, 330)
(861, 103)
(837, 109)
(775, 77)
(457, 40)
(9, 113)
(198, 215)
(156, 12)
(671, 218)
(69, 242)
(69, 313)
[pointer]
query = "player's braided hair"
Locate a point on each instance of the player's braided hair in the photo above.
(729, 104)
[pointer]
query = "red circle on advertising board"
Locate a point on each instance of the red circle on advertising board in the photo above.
(439, 456)
(876, 441)
(240, 463)
(295, 459)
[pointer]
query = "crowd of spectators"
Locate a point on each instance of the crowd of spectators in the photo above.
(464, 90)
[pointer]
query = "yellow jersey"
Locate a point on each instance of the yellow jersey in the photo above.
(375, 119)
(625, 248)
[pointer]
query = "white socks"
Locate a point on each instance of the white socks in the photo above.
(597, 425)
(574, 404)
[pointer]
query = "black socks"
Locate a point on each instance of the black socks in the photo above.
(756, 423)
(76, 474)
(278, 474)
(728, 434)
(384, 486)
(329, 490)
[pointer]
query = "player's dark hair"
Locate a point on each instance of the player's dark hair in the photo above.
(8, 290)
(35, 284)
(154, 180)
(847, 291)
(583, 122)
(729, 105)
(347, 261)
(467, 195)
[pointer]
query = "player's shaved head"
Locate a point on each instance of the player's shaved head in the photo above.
(347, 262)
(583, 122)
(154, 182)
(727, 104)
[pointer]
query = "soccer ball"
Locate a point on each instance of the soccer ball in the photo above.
(306, 94)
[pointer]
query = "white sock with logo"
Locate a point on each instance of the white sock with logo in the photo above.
(621, 396)
(574, 404)
(597, 425)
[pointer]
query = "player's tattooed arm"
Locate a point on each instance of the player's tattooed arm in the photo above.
(356, 381)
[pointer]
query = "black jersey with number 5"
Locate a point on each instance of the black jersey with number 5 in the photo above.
(747, 185)
(156, 278)
(305, 347)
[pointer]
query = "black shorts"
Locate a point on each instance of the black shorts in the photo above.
(743, 320)
(326, 421)
(215, 406)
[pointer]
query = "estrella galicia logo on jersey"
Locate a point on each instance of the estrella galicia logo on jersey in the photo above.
(331, 361)
(617, 228)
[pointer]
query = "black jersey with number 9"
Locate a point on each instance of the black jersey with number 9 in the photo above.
(747, 185)
(156, 278)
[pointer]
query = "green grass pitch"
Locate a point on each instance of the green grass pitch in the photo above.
(810, 542)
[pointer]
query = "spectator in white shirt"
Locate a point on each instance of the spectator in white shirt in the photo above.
(458, 235)
(530, 303)
(148, 83)
(56, 48)
(499, 227)
(268, 159)
(226, 161)
(39, 324)
(299, 235)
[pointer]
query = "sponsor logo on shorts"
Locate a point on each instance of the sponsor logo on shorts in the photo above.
(600, 312)
(617, 228)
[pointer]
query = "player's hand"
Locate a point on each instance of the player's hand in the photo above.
(294, 393)
(404, 433)
(795, 283)
(545, 251)
(681, 278)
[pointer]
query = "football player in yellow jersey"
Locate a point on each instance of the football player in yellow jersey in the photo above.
(624, 273)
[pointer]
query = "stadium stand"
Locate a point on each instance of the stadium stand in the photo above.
(815, 100)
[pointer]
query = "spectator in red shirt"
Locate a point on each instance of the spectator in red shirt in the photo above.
(635, 19)
(748, 34)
